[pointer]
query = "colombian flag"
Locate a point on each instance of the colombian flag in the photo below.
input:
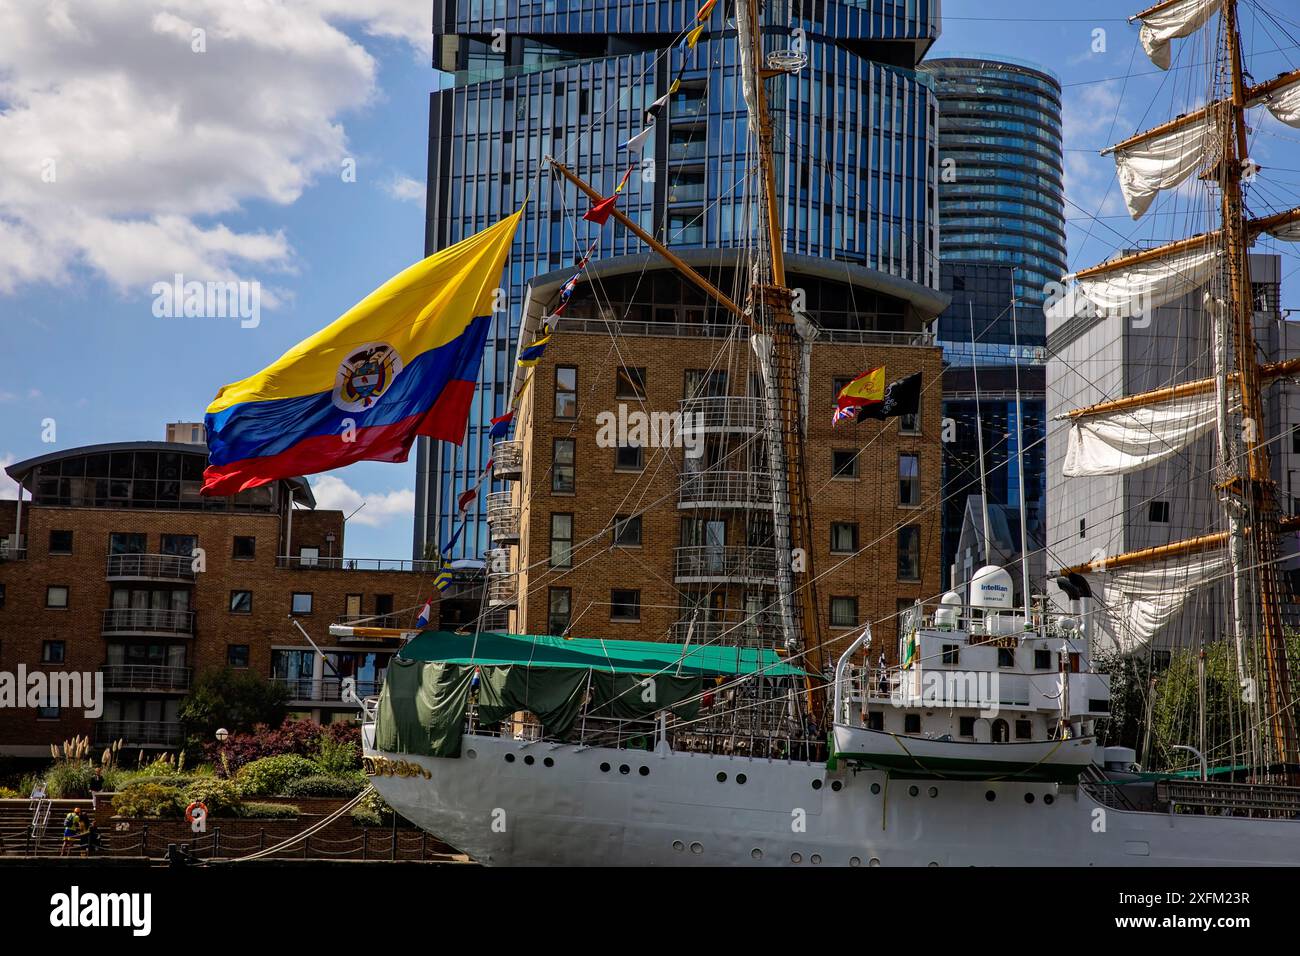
(867, 388)
(401, 362)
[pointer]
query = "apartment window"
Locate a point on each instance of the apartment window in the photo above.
(301, 602)
(245, 548)
(909, 424)
(60, 542)
(909, 480)
(124, 542)
(47, 713)
(702, 382)
(1024, 730)
(624, 605)
(629, 383)
(1006, 657)
(629, 458)
(837, 386)
(562, 466)
(951, 653)
(844, 537)
(844, 464)
(1042, 660)
(180, 545)
(844, 612)
(566, 392)
(911, 723)
(56, 595)
(909, 553)
(1158, 511)
(561, 540)
(559, 611)
(352, 606)
(627, 531)
(1083, 527)
(53, 652)
(237, 655)
(241, 602)
(308, 557)
(965, 726)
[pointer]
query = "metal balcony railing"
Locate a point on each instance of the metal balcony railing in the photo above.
(326, 690)
(150, 567)
(377, 620)
(297, 562)
(502, 516)
(507, 459)
(145, 677)
(139, 733)
(502, 582)
(723, 564)
(128, 620)
(735, 488)
(742, 413)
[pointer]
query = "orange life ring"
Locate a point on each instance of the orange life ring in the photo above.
(196, 805)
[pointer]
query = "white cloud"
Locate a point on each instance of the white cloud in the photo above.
(406, 189)
(8, 487)
(334, 493)
(122, 149)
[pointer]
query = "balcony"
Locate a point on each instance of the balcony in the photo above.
(13, 547)
(508, 460)
(139, 733)
(150, 567)
(718, 564)
(725, 489)
(308, 563)
(723, 413)
(399, 621)
(502, 582)
(128, 677)
(328, 690)
(503, 517)
(764, 630)
(687, 150)
(147, 622)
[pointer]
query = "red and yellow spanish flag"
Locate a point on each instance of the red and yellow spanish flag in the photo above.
(866, 388)
(401, 362)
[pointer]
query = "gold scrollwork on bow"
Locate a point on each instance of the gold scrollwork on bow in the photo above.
(383, 767)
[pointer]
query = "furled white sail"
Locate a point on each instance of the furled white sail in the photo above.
(1162, 162)
(1140, 601)
(1139, 288)
(1126, 440)
(1290, 232)
(1169, 23)
(1283, 103)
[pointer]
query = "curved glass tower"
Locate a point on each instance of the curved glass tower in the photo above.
(856, 133)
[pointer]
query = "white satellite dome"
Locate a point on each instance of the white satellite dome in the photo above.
(991, 589)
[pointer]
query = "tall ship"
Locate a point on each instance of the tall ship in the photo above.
(978, 736)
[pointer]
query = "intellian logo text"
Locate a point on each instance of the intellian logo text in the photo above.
(75, 909)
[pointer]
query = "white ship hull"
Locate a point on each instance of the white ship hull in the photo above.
(678, 813)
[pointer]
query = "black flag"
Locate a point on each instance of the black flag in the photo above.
(901, 398)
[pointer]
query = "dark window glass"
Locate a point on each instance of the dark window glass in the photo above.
(126, 542)
(966, 726)
(1024, 730)
(559, 605)
(181, 545)
(627, 531)
(561, 540)
(1006, 657)
(909, 553)
(566, 392)
(562, 466)
(52, 652)
(844, 464)
(1042, 660)
(844, 611)
(301, 602)
(241, 602)
(1158, 511)
(909, 480)
(951, 653)
(625, 605)
(245, 548)
(60, 542)
(629, 457)
(875, 720)
(911, 723)
(237, 655)
(629, 382)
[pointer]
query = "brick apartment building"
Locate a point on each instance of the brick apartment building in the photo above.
(636, 542)
(97, 574)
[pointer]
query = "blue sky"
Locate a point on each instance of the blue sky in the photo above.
(227, 163)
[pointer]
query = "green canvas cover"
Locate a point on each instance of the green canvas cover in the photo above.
(553, 694)
(629, 697)
(422, 708)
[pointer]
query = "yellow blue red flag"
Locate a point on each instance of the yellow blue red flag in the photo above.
(400, 363)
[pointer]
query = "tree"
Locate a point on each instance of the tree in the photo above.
(235, 700)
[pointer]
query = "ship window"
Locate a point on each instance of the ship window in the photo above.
(1006, 657)
(1096, 706)
(1158, 511)
(966, 727)
(1042, 660)
(1024, 730)
(875, 720)
(1001, 732)
(950, 653)
(1083, 527)
(911, 723)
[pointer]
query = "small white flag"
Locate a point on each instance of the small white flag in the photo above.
(636, 142)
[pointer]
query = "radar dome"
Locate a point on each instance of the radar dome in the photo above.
(991, 588)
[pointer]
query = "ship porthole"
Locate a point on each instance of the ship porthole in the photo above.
(678, 845)
(722, 777)
(471, 753)
(624, 769)
(796, 858)
(1048, 799)
(817, 784)
(837, 785)
(644, 771)
(875, 788)
(855, 861)
(549, 762)
(741, 778)
(933, 863)
(697, 848)
(934, 791)
(756, 854)
(913, 791)
(1029, 798)
(510, 758)
(875, 861)
(529, 760)
(604, 768)
(816, 858)
(990, 796)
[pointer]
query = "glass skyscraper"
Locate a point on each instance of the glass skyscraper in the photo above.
(856, 135)
(1002, 216)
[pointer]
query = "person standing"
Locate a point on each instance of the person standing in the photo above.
(71, 830)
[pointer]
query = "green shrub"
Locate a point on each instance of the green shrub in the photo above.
(128, 779)
(321, 785)
(270, 776)
(372, 811)
(70, 780)
(267, 811)
(149, 800)
(221, 797)
(8, 793)
(338, 757)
